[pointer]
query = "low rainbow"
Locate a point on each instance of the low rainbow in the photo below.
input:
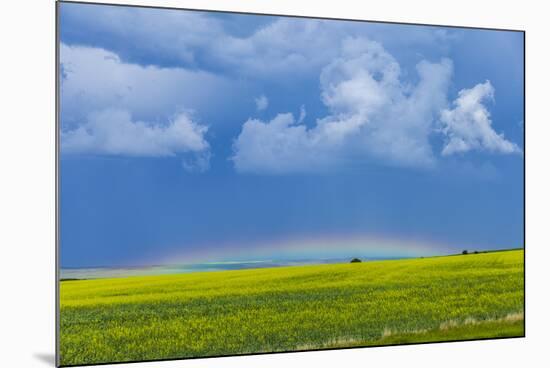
(310, 247)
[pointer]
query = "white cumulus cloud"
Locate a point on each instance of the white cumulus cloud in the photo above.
(113, 132)
(110, 107)
(261, 103)
(468, 125)
(95, 79)
(374, 116)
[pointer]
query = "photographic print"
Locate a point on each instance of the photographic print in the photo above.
(233, 184)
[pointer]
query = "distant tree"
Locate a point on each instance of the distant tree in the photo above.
(476, 252)
(464, 251)
(355, 260)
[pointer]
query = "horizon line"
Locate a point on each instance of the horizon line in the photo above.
(275, 260)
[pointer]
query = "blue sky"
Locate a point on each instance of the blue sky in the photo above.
(193, 136)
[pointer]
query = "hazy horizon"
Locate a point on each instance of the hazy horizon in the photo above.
(284, 260)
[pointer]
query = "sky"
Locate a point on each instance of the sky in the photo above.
(192, 136)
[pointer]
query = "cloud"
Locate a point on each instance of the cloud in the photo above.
(468, 126)
(95, 79)
(261, 103)
(143, 36)
(302, 47)
(277, 146)
(266, 48)
(113, 132)
(109, 107)
(374, 116)
(303, 114)
(285, 46)
(169, 61)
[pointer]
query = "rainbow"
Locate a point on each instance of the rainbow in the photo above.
(318, 247)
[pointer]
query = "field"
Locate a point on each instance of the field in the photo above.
(292, 308)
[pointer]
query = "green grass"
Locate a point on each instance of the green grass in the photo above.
(292, 308)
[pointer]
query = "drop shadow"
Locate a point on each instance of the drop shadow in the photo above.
(45, 358)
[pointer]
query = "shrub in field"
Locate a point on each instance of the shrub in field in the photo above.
(355, 260)
(464, 251)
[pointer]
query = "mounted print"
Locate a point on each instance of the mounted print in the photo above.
(233, 184)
